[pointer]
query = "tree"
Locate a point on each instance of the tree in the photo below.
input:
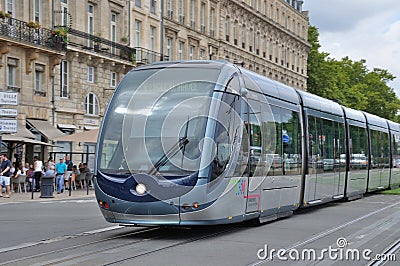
(350, 82)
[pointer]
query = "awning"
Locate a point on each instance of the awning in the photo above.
(12, 138)
(46, 129)
(23, 132)
(85, 136)
(68, 126)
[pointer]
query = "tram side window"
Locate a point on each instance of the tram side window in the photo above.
(226, 133)
(256, 139)
(396, 151)
(286, 159)
(317, 139)
(379, 149)
(340, 146)
(358, 148)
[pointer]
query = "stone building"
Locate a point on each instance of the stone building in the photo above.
(66, 66)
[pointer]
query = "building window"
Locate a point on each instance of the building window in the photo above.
(39, 90)
(202, 54)
(227, 29)
(251, 40)
(138, 27)
(113, 79)
(10, 6)
(91, 104)
(37, 11)
(202, 18)
(192, 19)
(64, 79)
(138, 3)
(90, 74)
(152, 43)
(212, 17)
(243, 36)
(153, 6)
(180, 51)
(169, 43)
(12, 65)
(191, 52)
(181, 12)
(90, 22)
(113, 31)
(64, 14)
(235, 41)
(170, 12)
(256, 43)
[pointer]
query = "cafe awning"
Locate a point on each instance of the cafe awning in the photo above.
(23, 132)
(85, 136)
(46, 129)
(12, 138)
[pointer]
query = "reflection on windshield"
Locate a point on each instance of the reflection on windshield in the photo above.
(146, 123)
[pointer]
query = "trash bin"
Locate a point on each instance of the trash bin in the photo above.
(47, 187)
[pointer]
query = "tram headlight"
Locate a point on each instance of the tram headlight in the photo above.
(141, 189)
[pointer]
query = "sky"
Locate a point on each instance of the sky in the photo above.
(360, 29)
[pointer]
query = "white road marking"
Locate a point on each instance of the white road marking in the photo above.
(60, 238)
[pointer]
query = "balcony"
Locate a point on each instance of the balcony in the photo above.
(31, 34)
(103, 47)
(144, 56)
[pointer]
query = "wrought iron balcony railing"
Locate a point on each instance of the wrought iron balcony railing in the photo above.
(111, 49)
(31, 33)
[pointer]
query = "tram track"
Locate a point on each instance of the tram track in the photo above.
(74, 255)
(388, 255)
(26, 258)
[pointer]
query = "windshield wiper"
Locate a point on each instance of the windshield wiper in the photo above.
(181, 144)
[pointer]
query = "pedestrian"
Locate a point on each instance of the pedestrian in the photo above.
(61, 169)
(17, 161)
(50, 172)
(5, 175)
(50, 163)
(88, 174)
(37, 166)
(75, 173)
(68, 174)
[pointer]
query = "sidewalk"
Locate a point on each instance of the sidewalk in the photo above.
(26, 197)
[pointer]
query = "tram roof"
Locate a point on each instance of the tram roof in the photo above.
(273, 88)
(393, 126)
(189, 63)
(353, 114)
(376, 120)
(320, 104)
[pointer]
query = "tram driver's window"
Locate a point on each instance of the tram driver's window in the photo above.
(226, 130)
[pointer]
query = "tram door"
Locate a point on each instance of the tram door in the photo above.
(257, 132)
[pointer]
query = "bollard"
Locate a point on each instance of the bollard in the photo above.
(32, 188)
(69, 185)
(87, 186)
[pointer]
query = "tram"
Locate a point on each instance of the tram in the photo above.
(209, 142)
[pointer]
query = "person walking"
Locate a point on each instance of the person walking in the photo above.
(5, 175)
(68, 174)
(37, 166)
(61, 169)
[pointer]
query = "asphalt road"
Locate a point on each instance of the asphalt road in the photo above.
(73, 232)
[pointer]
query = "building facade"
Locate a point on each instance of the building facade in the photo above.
(76, 52)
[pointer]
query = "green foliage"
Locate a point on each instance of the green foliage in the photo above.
(350, 82)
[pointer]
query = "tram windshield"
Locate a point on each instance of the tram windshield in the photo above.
(156, 122)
